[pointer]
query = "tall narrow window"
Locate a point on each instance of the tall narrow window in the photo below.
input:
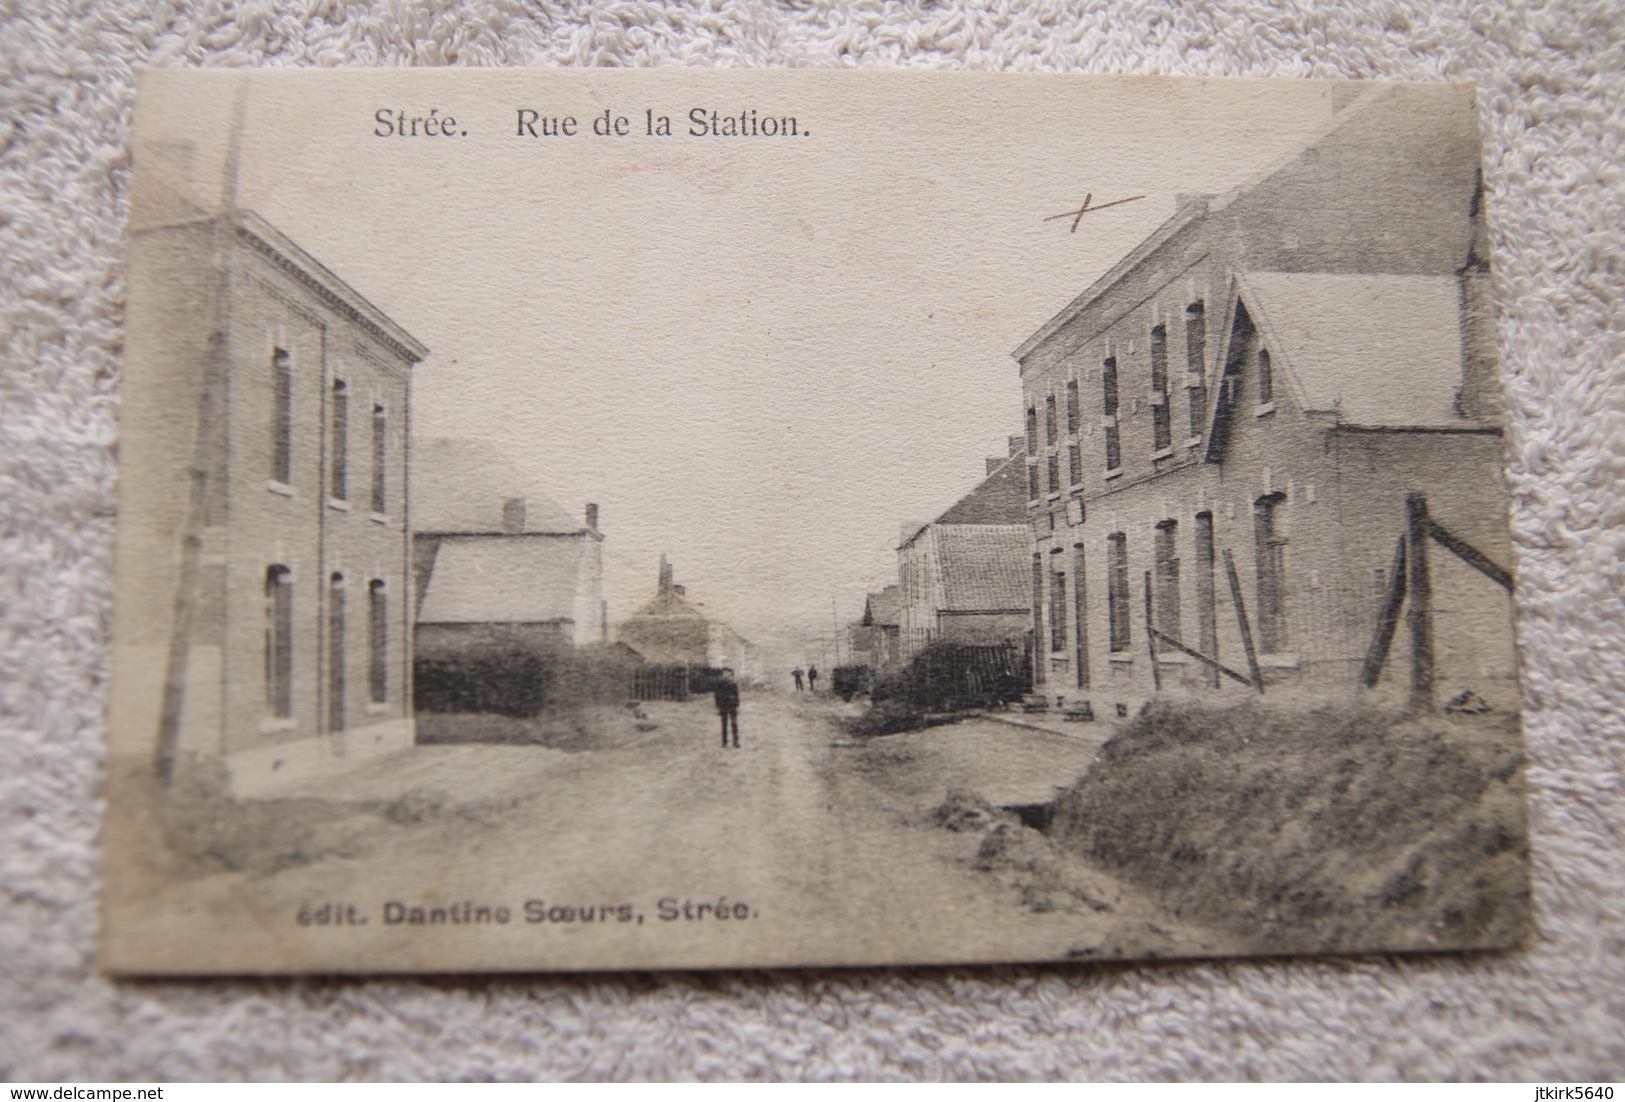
(1072, 407)
(1032, 430)
(1108, 382)
(1074, 457)
(1159, 359)
(1266, 378)
(279, 641)
(1207, 621)
(1161, 430)
(1196, 364)
(378, 642)
(1269, 551)
(1117, 609)
(281, 416)
(339, 440)
(1057, 611)
(1167, 578)
(380, 452)
(1080, 617)
(335, 653)
(1054, 465)
(1032, 482)
(1038, 617)
(1051, 429)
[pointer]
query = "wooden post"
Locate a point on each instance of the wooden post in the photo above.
(1241, 621)
(1376, 657)
(1419, 614)
(1211, 663)
(1151, 637)
(1470, 555)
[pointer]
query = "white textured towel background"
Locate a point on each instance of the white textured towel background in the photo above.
(1552, 83)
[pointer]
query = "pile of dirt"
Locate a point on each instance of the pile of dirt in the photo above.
(1043, 877)
(207, 830)
(1298, 831)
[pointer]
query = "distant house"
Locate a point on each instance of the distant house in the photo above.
(670, 630)
(963, 577)
(1269, 376)
(495, 560)
(876, 638)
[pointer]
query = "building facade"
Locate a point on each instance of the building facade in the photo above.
(1262, 385)
(283, 611)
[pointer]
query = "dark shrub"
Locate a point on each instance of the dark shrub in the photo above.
(949, 677)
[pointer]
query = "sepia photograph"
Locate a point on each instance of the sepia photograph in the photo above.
(595, 520)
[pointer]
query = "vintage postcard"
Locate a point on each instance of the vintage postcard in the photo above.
(673, 519)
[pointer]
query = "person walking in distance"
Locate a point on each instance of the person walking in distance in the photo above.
(727, 694)
(812, 678)
(796, 673)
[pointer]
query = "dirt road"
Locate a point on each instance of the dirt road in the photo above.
(662, 849)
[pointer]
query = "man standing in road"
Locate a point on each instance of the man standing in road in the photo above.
(796, 673)
(812, 678)
(727, 694)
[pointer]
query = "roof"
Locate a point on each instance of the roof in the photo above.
(1379, 350)
(884, 609)
(1000, 498)
(271, 242)
(669, 603)
(1387, 185)
(518, 579)
(985, 567)
(464, 485)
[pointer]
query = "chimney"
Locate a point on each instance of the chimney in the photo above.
(1016, 444)
(665, 575)
(592, 515)
(513, 515)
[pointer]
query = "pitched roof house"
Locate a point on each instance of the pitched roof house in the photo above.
(670, 630)
(493, 555)
(875, 638)
(963, 576)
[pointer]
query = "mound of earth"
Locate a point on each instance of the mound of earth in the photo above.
(1300, 831)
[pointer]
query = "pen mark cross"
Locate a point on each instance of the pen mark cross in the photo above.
(1077, 215)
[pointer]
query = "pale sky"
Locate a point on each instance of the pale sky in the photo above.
(757, 355)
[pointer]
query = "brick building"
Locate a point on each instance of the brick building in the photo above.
(1271, 374)
(279, 604)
